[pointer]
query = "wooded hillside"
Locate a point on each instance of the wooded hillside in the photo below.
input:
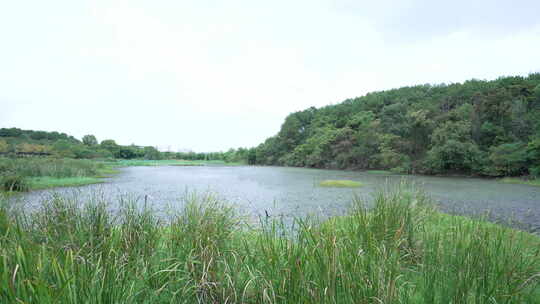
(479, 127)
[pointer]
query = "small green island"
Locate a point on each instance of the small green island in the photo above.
(340, 183)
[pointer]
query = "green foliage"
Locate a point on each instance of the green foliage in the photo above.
(12, 132)
(89, 140)
(63, 148)
(36, 135)
(477, 128)
(125, 153)
(295, 128)
(533, 150)
(151, 153)
(509, 159)
(314, 151)
(41, 167)
(390, 156)
(536, 93)
(42, 173)
(17, 142)
(454, 156)
(109, 144)
(252, 156)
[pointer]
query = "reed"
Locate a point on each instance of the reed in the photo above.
(21, 174)
(53, 167)
(399, 251)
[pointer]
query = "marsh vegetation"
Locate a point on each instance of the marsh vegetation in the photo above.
(400, 251)
(21, 174)
(343, 183)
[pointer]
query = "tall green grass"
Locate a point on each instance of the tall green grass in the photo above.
(400, 251)
(45, 182)
(52, 167)
(39, 173)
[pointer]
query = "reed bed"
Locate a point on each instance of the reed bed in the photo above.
(51, 167)
(400, 251)
(22, 174)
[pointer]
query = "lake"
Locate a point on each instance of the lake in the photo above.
(294, 192)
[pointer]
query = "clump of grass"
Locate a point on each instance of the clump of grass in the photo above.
(14, 183)
(201, 236)
(472, 261)
(340, 183)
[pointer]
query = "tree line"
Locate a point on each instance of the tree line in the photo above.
(487, 128)
(14, 141)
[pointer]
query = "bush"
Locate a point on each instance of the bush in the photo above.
(508, 160)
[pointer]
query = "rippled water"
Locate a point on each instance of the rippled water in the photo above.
(292, 192)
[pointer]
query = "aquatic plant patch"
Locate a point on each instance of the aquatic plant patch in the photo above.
(340, 183)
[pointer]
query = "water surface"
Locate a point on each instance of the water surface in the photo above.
(291, 192)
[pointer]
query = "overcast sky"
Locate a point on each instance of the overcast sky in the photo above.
(210, 75)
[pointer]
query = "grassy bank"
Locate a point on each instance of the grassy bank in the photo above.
(41, 173)
(517, 180)
(46, 182)
(401, 251)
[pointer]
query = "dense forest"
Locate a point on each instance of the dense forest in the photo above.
(14, 142)
(488, 128)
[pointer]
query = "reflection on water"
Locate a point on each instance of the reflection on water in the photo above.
(292, 192)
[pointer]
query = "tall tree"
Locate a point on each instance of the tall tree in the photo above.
(89, 140)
